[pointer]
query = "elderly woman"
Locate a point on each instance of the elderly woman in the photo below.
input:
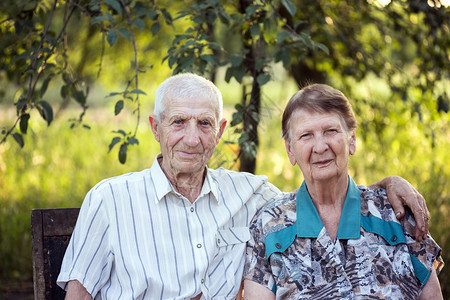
(333, 239)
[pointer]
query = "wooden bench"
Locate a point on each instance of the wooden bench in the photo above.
(51, 230)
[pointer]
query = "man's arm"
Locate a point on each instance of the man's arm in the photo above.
(432, 289)
(253, 290)
(76, 291)
(401, 193)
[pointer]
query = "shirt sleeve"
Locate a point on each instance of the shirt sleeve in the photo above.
(427, 252)
(88, 257)
(257, 266)
(267, 193)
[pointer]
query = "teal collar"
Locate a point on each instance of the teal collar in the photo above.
(309, 223)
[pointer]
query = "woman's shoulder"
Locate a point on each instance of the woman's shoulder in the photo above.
(376, 203)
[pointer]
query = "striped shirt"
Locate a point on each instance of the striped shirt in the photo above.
(137, 238)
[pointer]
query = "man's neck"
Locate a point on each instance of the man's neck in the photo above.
(189, 185)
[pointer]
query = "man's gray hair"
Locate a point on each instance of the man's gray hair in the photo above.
(188, 86)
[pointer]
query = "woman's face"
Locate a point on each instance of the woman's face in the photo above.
(320, 145)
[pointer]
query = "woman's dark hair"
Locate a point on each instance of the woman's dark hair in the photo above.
(318, 98)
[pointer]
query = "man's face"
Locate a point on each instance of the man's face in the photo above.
(188, 133)
(320, 145)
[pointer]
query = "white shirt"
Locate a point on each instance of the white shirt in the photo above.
(137, 238)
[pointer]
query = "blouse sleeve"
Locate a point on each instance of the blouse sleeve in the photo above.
(257, 267)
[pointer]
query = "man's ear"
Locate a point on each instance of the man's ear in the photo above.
(155, 126)
(290, 153)
(222, 125)
(352, 142)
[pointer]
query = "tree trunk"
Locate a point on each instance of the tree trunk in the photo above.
(247, 158)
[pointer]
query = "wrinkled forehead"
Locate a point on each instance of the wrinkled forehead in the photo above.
(302, 117)
(192, 106)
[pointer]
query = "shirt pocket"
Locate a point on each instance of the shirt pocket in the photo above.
(226, 270)
(232, 235)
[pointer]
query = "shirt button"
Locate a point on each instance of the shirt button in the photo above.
(393, 238)
(192, 209)
(278, 245)
(199, 245)
(218, 241)
(203, 280)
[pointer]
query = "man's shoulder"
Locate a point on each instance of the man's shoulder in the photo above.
(222, 173)
(121, 179)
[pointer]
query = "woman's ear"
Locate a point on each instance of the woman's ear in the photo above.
(352, 142)
(155, 126)
(289, 152)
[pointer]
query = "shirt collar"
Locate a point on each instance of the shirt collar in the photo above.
(309, 223)
(163, 186)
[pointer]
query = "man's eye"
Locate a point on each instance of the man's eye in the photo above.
(305, 135)
(178, 122)
(205, 123)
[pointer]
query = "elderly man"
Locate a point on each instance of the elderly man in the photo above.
(179, 229)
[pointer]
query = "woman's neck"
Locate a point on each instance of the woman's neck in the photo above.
(328, 198)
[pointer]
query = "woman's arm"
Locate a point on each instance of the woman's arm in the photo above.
(432, 289)
(401, 193)
(253, 290)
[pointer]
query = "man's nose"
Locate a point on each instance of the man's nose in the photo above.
(191, 137)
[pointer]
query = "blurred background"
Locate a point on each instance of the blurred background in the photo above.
(77, 83)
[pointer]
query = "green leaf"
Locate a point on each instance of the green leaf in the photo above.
(137, 91)
(133, 141)
(123, 153)
(255, 30)
(262, 79)
(290, 7)
(152, 15)
(139, 23)
(114, 141)
(236, 118)
(236, 60)
(118, 107)
(98, 19)
(45, 85)
(125, 33)
(115, 5)
(209, 59)
(45, 110)
(24, 123)
(156, 27)
(19, 139)
(111, 37)
(167, 16)
(323, 48)
(282, 35)
(121, 132)
(113, 94)
(79, 97)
